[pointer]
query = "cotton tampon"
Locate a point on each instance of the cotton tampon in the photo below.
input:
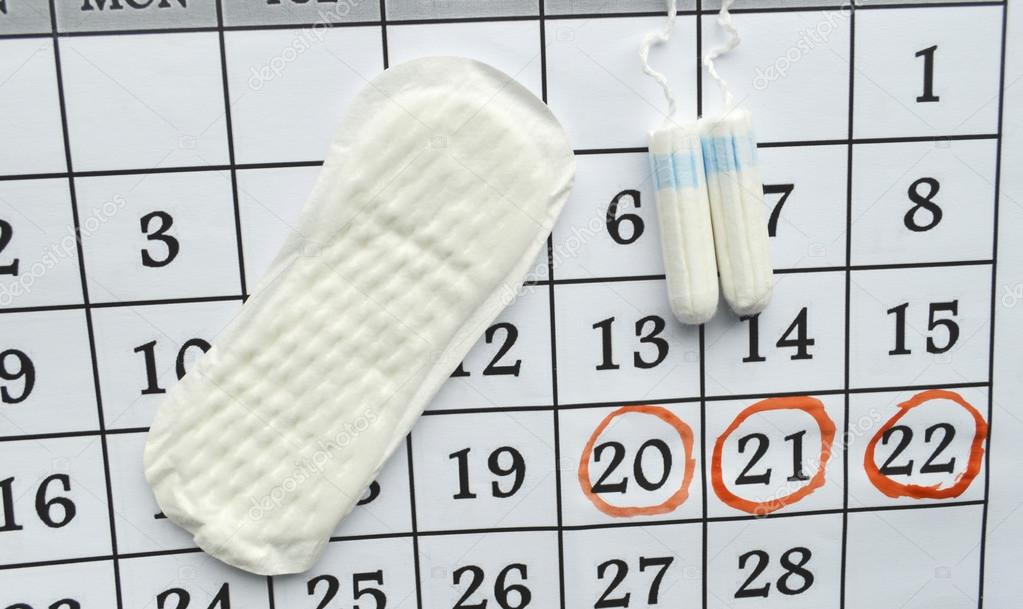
(683, 213)
(736, 192)
(736, 196)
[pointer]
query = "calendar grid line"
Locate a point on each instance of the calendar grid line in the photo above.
(414, 523)
(641, 523)
(26, 36)
(578, 152)
(229, 129)
(891, 266)
(87, 313)
(710, 397)
(383, 33)
(555, 398)
(861, 4)
(528, 283)
(551, 302)
(702, 347)
(993, 311)
(699, 61)
(672, 521)
(703, 463)
(115, 305)
(524, 529)
(912, 139)
(572, 406)
(56, 562)
(824, 6)
(843, 560)
(414, 534)
(370, 536)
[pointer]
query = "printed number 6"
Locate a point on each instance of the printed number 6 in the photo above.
(614, 221)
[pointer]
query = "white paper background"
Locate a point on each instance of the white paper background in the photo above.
(484, 503)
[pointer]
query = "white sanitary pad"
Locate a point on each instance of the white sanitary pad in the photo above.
(437, 193)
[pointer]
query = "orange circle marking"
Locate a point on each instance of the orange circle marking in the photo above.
(677, 498)
(807, 404)
(896, 489)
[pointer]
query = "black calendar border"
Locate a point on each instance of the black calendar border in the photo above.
(115, 563)
(994, 308)
(694, 399)
(555, 397)
(556, 406)
(843, 570)
(383, 21)
(115, 304)
(521, 529)
(579, 152)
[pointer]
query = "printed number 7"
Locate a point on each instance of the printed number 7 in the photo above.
(777, 189)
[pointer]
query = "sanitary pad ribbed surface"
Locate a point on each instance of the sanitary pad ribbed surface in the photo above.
(438, 191)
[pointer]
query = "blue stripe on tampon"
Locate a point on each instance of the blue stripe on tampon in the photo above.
(676, 170)
(664, 173)
(728, 153)
(687, 173)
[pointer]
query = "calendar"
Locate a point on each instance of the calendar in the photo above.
(855, 446)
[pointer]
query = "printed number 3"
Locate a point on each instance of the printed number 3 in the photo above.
(159, 234)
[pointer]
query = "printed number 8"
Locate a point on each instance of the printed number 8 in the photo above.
(925, 202)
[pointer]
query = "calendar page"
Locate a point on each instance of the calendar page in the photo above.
(854, 446)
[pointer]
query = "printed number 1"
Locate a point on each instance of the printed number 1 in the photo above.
(928, 55)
